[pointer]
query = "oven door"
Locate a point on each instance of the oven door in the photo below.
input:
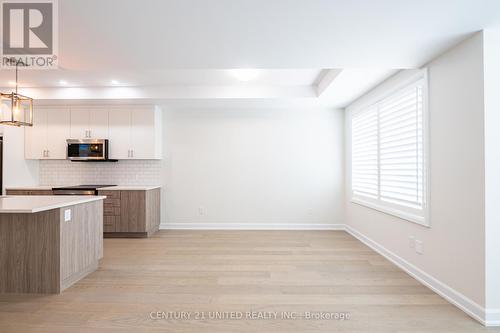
(87, 149)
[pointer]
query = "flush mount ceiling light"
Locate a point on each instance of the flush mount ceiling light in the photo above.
(115, 82)
(16, 109)
(245, 74)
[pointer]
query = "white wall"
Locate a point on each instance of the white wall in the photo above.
(16, 170)
(253, 167)
(492, 164)
(454, 244)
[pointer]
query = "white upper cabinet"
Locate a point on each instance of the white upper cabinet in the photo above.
(47, 138)
(142, 136)
(35, 137)
(58, 121)
(79, 123)
(89, 123)
(119, 134)
(134, 132)
(98, 123)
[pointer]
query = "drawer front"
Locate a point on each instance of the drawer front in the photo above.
(29, 192)
(17, 192)
(111, 211)
(110, 223)
(110, 194)
(112, 202)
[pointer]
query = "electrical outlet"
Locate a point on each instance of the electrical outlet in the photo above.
(309, 212)
(411, 242)
(419, 247)
(67, 215)
(201, 210)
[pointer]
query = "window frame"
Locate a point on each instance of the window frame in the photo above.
(421, 217)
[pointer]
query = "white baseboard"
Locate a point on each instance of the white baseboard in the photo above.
(487, 317)
(492, 317)
(465, 304)
(251, 226)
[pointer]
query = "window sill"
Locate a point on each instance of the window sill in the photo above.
(394, 212)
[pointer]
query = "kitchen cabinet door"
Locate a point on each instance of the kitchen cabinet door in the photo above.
(58, 130)
(98, 123)
(119, 133)
(142, 133)
(133, 212)
(79, 123)
(35, 137)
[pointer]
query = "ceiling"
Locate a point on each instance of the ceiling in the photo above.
(210, 88)
(181, 51)
(200, 34)
(164, 77)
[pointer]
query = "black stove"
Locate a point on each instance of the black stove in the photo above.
(78, 189)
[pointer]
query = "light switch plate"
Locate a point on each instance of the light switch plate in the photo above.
(411, 242)
(419, 247)
(67, 215)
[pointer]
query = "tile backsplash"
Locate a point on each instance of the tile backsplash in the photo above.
(124, 172)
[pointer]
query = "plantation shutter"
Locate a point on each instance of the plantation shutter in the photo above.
(388, 151)
(365, 153)
(400, 147)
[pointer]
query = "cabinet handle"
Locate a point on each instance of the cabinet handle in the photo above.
(90, 135)
(48, 153)
(131, 153)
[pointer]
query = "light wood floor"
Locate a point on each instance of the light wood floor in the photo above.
(240, 271)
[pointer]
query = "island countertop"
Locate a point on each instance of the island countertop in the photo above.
(40, 203)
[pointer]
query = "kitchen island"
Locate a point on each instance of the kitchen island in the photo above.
(47, 243)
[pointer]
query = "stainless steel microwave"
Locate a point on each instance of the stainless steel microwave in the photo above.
(87, 149)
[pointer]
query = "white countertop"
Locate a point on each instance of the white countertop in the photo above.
(40, 203)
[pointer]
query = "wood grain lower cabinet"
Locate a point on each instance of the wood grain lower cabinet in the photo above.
(134, 213)
(29, 192)
(44, 253)
(130, 213)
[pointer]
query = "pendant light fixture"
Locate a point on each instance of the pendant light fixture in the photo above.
(16, 109)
